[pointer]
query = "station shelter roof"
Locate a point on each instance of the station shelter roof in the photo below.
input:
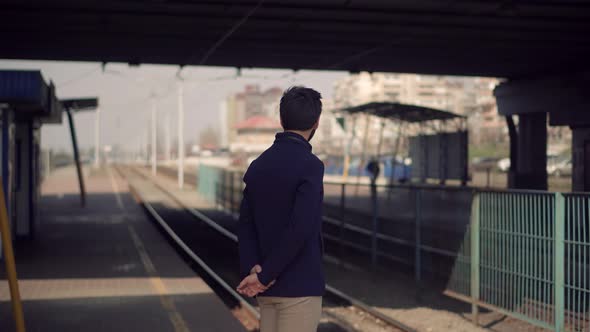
(402, 112)
(27, 94)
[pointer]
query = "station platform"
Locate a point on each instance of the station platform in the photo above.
(105, 267)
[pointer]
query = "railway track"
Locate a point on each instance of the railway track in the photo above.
(189, 178)
(348, 237)
(213, 254)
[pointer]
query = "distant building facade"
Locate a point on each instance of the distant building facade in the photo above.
(255, 134)
(329, 137)
(252, 102)
(472, 97)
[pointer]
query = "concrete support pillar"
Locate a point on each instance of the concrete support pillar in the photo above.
(580, 158)
(566, 100)
(531, 161)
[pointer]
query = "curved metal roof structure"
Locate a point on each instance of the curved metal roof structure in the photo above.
(402, 112)
(512, 39)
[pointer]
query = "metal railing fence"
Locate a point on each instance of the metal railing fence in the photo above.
(222, 186)
(527, 255)
(576, 292)
(403, 230)
(208, 181)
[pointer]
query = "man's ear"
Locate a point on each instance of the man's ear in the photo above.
(316, 124)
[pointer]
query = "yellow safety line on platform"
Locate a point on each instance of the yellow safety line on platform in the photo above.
(17, 306)
(158, 284)
(166, 301)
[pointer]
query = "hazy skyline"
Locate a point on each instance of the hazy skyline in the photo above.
(125, 103)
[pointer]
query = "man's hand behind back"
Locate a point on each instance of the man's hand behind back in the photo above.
(251, 286)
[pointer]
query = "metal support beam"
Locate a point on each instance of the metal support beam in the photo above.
(559, 263)
(380, 143)
(363, 154)
(348, 149)
(394, 159)
(475, 242)
(375, 222)
(418, 243)
(77, 157)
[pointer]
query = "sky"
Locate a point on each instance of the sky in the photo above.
(124, 96)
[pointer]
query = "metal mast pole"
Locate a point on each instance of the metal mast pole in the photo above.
(167, 138)
(97, 139)
(180, 135)
(147, 141)
(154, 139)
(77, 157)
(363, 154)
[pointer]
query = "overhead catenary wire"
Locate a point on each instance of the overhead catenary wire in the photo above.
(233, 237)
(141, 102)
(170, 87)
(223, 38)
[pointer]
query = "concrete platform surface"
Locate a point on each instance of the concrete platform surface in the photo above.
(105, 267)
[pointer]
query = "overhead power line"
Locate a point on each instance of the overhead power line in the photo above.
(223, 38)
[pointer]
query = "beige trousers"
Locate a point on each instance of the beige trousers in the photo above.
(289, 314)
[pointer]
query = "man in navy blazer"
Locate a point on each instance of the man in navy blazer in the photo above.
(279, 229)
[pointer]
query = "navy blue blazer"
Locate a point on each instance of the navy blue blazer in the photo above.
(281, 218)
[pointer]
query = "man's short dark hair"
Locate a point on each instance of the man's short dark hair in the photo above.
(300, 108)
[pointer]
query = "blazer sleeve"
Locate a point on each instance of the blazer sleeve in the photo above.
(305, 222)
(247, 237)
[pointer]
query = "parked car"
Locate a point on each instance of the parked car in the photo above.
(561, 168)
(484, 163)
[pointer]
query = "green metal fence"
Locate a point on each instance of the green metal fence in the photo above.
(577, 257)
(222, 186)
(526, 254)
(229, 190)
(208, 179)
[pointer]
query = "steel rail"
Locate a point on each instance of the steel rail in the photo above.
(331, 290)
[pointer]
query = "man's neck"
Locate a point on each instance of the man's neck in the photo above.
(305, 133)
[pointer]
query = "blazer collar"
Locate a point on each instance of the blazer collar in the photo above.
(288, 136)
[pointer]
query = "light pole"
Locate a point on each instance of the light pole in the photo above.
(97, 139)
(180, 134)
(167, 137)
(154, 134)
(145, 144)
